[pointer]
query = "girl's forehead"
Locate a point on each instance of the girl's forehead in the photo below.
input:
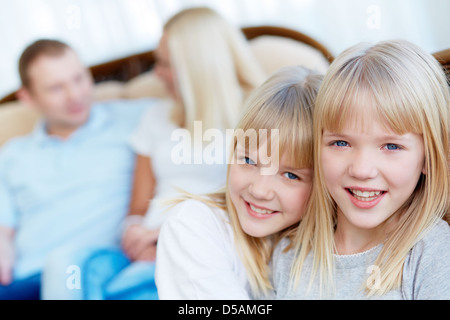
(291, 143)
(259, 148)
(359, 115)
(365, 109)
(271, 156)
(360, 108)
(361, 118)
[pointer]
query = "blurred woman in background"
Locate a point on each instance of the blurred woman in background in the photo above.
(208, 69)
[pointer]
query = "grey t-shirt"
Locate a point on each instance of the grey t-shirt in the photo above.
(426, 272)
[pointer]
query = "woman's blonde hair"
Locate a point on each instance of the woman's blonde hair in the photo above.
(409, 93)
(285, 102)
(214, 67)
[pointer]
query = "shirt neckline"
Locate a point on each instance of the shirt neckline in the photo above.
(97, 118)
(364, 258)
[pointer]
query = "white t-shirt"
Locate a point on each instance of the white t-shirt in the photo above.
(196, 256)
(159, 138)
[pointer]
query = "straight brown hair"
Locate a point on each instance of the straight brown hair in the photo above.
(35, 50)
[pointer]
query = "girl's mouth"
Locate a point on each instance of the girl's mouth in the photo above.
(259, 212)
(365, 199)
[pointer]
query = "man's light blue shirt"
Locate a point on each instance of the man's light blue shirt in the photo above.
(58, 193)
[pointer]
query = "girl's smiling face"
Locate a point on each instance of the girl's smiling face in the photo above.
(370, 171)
(267, 203)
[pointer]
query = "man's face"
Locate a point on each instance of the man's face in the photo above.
(61, 88)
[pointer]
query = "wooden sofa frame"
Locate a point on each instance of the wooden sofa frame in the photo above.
(129, 67)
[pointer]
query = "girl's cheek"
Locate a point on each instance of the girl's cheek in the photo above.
(234, 178)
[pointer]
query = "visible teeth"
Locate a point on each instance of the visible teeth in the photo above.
(365, 195)
(262, 211)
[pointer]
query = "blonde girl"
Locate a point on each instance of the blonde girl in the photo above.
(219, 246)
(374, 228)
(208, 69)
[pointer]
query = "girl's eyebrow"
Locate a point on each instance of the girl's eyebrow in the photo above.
(385, 137)
(293, 169)
(329, 134)
(242, 149)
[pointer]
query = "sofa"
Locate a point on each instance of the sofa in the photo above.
(273, 47)
(133, 77)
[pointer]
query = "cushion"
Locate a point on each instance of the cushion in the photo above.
(16, 119)
(108, 90)
(275, 52)
(145, 85)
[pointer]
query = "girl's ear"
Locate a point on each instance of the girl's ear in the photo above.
(424, 168)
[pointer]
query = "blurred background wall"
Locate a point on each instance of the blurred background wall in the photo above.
(103, 30)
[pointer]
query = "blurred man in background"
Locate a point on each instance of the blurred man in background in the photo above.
(65, 186)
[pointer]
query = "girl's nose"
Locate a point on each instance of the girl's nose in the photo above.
(363, 165)
(262, 188)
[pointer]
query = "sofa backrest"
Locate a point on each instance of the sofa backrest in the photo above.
(272, 52)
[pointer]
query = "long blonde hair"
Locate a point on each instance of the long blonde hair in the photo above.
(215, 68)
(285, 102)
(410, 94)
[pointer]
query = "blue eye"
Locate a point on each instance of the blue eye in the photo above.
(340, 143)
(291, 176)
(249, 161)
(391, 146)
